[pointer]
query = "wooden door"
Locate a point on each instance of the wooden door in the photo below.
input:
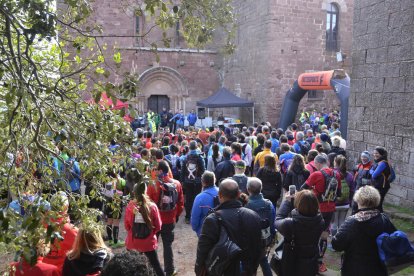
(157, 102)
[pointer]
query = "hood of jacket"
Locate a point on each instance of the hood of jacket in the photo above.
(89, 262)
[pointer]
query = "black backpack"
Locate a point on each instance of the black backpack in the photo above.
(304, 147)
(140, 229)
(168, 197)
(331, 188)
(192, 166)
(264, 212)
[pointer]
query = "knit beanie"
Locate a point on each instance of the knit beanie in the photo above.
(366, 154)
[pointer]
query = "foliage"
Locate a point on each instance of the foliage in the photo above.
(42, 79)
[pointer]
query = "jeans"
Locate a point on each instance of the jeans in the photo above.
(167, 235)
(339, 218)
(155, 263)
(192, 189)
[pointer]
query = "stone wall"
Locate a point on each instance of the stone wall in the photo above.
(277, 40)
(382, 99)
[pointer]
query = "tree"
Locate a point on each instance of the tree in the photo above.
(47, 58)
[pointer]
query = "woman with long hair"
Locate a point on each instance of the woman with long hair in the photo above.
(215, 158)
(301, 224)
(236, 152)
(271, 179)
(142, 222)
(347, 192)
(297, 173)
(89, 254)
(381, 173)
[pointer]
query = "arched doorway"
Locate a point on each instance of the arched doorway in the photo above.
(161, 86)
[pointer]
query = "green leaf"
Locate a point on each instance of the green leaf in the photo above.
(117, 57)
(100, 70)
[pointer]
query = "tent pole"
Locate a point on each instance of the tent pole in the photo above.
(208, 112)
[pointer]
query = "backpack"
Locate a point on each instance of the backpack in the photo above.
(264, 212)
(391, 177)
(253, 143)
(395, 251)
(331, 188)
(140, 229)
(304, 148)
(168, 197)
(244, 151)
(284, 165)
(192, 166)
(224, 252)
(345, 193)
(241, 182)
(173, 160)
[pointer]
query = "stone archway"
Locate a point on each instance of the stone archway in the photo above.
(162, 81)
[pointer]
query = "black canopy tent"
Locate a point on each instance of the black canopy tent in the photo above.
(224, 98)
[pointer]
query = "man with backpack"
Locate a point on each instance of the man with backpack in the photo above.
(301, 146)
(264, 208)
(286, 158)
(203, 201)
(193, 167)
(243, 227)
(326, 184)
(167, 193)
(240, 176)
(225, 168)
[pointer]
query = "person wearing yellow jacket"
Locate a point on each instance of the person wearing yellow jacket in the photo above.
(260, 157)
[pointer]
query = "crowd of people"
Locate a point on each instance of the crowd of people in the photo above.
(254, 182)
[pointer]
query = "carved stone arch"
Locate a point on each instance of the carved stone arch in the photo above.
(162, 81)
(340, 3)
(165, 74)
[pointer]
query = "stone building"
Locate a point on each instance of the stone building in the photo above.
(276, 41)
(382, 88)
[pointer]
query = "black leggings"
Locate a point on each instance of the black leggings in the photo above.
(155, 262)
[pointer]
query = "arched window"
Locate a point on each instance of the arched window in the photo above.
(332, 20)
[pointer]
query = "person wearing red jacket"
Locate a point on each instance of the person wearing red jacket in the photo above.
(68, 231)
(144, 213)
(23, 268)
(168, 194)
(317, 181)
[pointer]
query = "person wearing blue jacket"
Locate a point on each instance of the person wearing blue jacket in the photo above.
(203, 201)
(266, 211)
(75, 172)
(179, 118)
(192, 118)
(381, 173)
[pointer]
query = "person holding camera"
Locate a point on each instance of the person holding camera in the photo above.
(301, 224)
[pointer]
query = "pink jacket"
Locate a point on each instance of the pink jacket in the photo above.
(142, 245)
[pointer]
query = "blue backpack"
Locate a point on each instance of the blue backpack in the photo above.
(395, 251)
